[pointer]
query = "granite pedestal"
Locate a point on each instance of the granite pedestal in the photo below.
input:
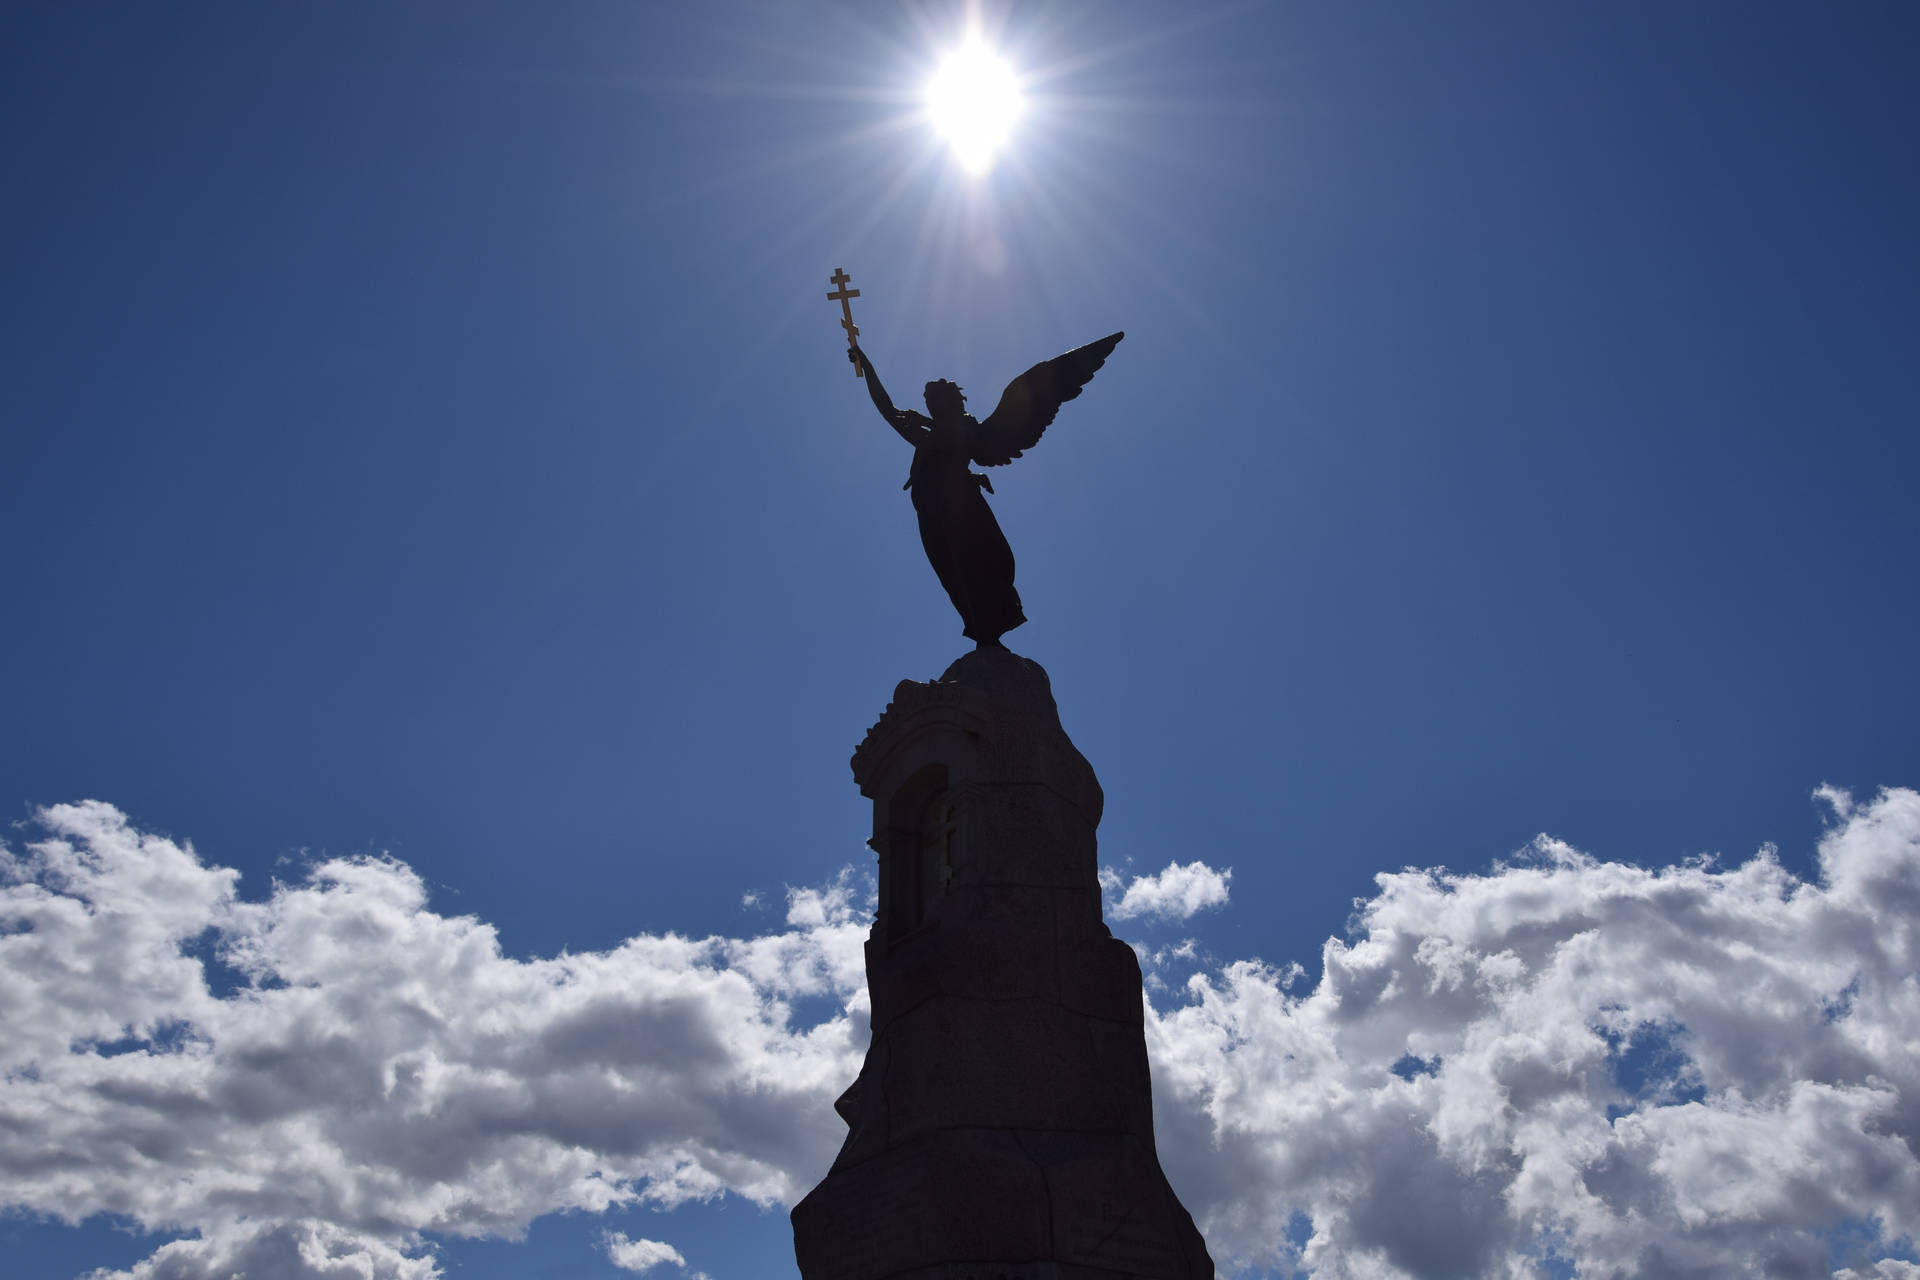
(1002, 1125)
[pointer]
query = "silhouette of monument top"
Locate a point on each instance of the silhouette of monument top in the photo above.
(963, 541)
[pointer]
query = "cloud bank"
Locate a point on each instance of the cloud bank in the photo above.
(383, 1070)
(1559, 1066)
(1694, 1071)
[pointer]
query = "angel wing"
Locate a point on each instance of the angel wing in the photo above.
(1032, 399)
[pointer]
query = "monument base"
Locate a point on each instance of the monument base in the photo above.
(1002, 1125)
(991, 1203)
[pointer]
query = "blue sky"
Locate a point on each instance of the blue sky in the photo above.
(426, 435)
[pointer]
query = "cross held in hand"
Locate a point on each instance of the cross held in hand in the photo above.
(845, 296)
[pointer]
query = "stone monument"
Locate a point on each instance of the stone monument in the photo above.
(1002, 1125)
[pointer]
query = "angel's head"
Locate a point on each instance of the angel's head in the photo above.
(944, 400)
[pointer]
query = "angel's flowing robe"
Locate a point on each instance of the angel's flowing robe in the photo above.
(961, 537)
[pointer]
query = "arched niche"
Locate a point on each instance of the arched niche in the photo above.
(916, 862)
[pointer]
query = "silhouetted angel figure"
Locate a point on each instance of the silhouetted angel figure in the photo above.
(957, 527)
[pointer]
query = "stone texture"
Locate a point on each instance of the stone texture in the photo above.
(1002, 1125)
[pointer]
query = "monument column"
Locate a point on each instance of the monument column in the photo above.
(1001, 1127)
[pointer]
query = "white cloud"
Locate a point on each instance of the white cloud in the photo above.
(278, 1251)
(385, 1070)
(1176, 893)
(834, 904)
(1885, 1269)
(639, 1255)
(1691, 1071)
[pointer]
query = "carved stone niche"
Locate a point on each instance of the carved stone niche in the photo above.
(976, 785)
(1002, 1124)
(918, 784)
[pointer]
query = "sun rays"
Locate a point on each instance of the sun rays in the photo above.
(988, 156)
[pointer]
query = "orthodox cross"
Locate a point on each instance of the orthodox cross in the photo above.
(845, 296)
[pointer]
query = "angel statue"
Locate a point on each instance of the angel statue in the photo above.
(957, 527)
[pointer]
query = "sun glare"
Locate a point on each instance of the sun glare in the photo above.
(974, 101)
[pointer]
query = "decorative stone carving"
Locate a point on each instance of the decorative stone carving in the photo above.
(1002, 1125)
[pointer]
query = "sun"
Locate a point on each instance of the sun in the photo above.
(974, 100)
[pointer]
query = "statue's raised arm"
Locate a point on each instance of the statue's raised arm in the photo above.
(911, 426)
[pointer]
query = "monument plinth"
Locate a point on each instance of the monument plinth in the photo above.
(1001, 1127)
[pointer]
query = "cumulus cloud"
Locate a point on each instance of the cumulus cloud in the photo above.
(1558, 1064)
(639, 1255)
(1176, 893)
(383, 1070)
(277, 1251)
(1686, 1071)
(1884, 1269)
